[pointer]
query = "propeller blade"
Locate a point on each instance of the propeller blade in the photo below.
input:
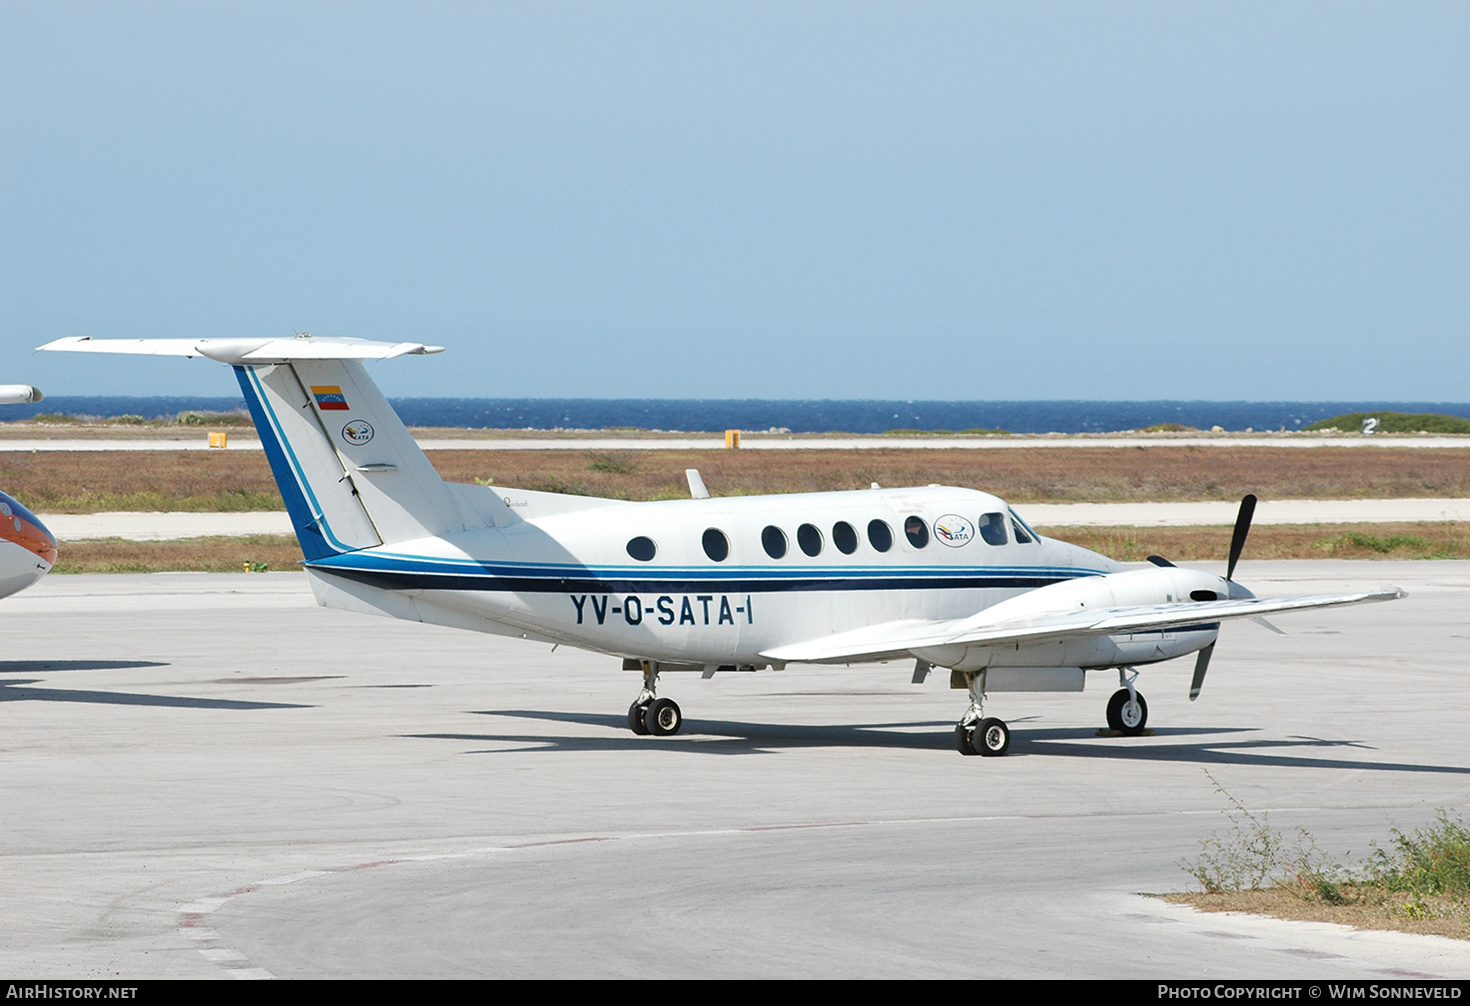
(1201, 665)
(1261, 621)
(1242, 528)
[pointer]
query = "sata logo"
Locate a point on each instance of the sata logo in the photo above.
(357, 432)
(953, 530)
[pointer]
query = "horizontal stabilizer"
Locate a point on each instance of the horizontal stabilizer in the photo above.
(247, 351)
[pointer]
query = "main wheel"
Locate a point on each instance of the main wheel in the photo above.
(964, 740)
(635, 719)
(992, 737)
(663, 717)
(1127, 713)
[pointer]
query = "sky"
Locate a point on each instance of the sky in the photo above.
(1229, 201)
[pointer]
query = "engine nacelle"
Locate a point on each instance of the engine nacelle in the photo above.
(1132, 588)
(19, 394)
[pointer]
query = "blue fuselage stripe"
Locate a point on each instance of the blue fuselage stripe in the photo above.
(491, 577)
(311, 530)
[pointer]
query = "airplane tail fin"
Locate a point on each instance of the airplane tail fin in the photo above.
(350, 473)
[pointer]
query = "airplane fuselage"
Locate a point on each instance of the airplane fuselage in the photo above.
(716, 583)
(27, 548)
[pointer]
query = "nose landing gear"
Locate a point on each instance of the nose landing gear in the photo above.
(1127, 711)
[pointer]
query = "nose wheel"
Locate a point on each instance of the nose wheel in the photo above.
(1127, 712)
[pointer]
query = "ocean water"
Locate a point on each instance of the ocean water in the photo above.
(797, 416)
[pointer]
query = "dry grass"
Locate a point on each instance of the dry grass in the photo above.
(192, 555)
(88, 482)
(1418, 882)
(98, 481)
(1436, 915)
(1051, 475)
(1440, 540)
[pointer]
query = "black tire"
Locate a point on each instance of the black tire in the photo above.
(663, 718)
(992, 737)
(1127, 718)
(635, 719)
(964, 740)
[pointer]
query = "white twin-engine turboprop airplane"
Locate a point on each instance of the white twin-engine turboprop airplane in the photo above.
(943, 576)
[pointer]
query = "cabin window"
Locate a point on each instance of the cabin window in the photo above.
(810, 539)
(993, 528)
(844, 537)
(642, 548)
(916, 531)
(716, 545)
(773, 540)
(880, 536)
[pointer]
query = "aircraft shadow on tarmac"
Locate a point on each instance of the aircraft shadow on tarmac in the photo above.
(35, 666)
(15, 691)
(1192, 745)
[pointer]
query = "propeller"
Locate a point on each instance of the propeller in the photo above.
(1242, 528)
(1201, 664)
(1237, 545)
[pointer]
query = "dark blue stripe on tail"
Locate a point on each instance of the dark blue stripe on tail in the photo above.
(308, 528)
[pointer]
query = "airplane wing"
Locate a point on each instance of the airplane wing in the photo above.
(246, 351)
(895, 639)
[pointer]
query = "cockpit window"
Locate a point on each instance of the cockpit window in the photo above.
(1022, 538)
(993, 528)
(1020, 526)
(916, 531)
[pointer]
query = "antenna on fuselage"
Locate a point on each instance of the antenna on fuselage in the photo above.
(696, 484)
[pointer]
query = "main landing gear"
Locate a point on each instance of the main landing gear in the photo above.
(976, 733)
(650, 714)
(1127, 711)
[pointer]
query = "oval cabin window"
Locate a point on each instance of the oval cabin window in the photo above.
(810, 539)
(716, 545)
(880, 536)
(773, 540)
(916, 531)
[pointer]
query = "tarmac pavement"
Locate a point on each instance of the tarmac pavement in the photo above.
(206, 776)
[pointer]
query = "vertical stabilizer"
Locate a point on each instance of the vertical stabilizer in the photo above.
(350, 472)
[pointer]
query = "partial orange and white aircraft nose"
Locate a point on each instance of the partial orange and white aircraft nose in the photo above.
(27, 548)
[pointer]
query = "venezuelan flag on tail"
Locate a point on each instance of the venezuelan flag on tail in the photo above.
(329, 398)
